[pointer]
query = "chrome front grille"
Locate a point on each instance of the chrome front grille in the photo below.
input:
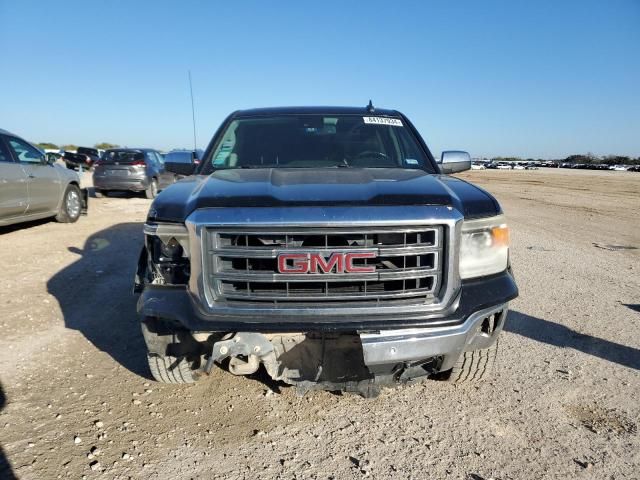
(242, 264)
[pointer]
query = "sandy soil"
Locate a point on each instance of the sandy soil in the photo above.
(563, 403)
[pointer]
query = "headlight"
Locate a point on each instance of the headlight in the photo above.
(168, 252)
(484, 247)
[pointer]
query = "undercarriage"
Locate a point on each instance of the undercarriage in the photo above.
(359, 362)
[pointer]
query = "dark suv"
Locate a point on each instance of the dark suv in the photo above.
(131, 169)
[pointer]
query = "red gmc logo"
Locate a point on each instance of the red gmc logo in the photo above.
(318, 263)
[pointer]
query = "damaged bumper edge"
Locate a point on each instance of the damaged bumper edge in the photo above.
(480, 330)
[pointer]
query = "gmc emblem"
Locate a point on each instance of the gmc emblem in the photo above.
(317, 263)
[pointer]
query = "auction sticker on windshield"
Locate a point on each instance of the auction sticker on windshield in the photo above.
(396, 122)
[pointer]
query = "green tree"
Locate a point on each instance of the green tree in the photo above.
(47, 145)
(588, 159)
(105, 145)
(616, 160)
(69, 147)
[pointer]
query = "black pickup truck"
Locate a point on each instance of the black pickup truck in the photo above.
(328, 246)
(84, 157)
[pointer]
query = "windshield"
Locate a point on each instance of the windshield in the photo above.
(316, 141)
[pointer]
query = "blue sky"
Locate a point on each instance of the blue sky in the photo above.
(542, 79)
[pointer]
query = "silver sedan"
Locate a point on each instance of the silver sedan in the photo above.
(31, 187)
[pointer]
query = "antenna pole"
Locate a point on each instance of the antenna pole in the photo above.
(193, 113)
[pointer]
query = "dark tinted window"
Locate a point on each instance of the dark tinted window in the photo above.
(178, 157)
(5, 156)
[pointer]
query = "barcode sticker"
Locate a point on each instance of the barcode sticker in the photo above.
(395, 122)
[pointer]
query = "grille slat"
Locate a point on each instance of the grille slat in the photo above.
(242, 265)
(255, 252)
(234, 276)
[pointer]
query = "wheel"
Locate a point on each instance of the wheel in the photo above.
(152, 190)
(472, 366)
(168, 369)
(71, 205)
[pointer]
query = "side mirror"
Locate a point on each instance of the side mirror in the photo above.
(178, 168)
(453, 161)
(50, 158)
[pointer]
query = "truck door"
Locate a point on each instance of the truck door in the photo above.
(43, 181)
(14, 197)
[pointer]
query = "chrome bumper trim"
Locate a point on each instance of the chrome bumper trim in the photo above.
(403, 345)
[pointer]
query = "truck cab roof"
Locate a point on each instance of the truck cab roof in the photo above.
(253, 112)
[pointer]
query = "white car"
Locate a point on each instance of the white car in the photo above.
(619, 168)
(477, 166)
(519, 167)
(503, 166)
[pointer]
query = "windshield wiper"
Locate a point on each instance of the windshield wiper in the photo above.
(344, 164)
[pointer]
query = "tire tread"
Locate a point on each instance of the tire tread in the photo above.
(474, 365)
(166, 369)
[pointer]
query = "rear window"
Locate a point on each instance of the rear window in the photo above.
(122, 156)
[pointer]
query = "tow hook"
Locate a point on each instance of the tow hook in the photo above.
(247, 344)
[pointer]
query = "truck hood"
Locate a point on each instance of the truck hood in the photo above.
(297, 187)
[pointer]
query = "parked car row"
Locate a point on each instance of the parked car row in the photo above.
(141, 170)
(512, 166)
(36, 184)
(536, 165)
(88, 157)
(601, 166)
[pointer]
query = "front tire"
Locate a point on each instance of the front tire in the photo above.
(473, 366)
(167, 369)
(71, 207)
(152, 190)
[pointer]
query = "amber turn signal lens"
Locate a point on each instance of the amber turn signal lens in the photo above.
(500, 235)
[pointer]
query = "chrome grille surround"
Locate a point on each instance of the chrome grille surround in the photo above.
(241, 263)
(214, 272)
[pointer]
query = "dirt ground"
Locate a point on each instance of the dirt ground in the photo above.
(77, 399)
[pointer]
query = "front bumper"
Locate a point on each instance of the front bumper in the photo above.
(479, 330)
(176, 305)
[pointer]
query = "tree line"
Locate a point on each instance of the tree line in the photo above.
(53, 146)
